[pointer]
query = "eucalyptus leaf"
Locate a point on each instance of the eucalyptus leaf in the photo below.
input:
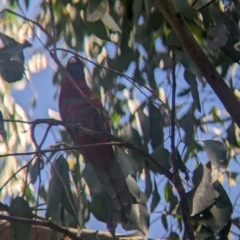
(3, 133)
(187, 125)
(110, 23)
(155, 197)
(139, 219)
(217, 154)
(162, 155)
(185, 8)
(133, 188)
(191, 80)
(203, 194)
(20, 208)
(35, 170)
(96, 9)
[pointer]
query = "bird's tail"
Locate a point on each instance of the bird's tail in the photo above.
(114, 184)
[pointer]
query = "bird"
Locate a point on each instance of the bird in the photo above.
(87, 111)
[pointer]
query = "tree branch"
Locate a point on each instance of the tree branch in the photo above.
(112, 141)
(197, 55)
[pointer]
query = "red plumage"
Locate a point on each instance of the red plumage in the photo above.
(75, 109)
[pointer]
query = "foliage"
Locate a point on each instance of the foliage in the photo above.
(130, 52)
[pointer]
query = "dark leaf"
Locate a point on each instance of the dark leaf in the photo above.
(12, 49)
(191, 80)
(173, 40)
(233, 135)
(96, 9)
(12, 71)
(181, 166)
(148, 184)
(162, 155)
(155, 197)
(169, 196)
(59, 190)
(98, 29)
(185, 8)
(217, 154)
(35, 170)
(187, 126)
(203, 194)
(188, 64)
(20, 208)
(164, 221)
(156, 126)
(224, 232)
(2, 129)
(126, 162)
(133, 188)
(139, 219)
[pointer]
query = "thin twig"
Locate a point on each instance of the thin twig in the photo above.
(173, 155)
(176, 178)
(19, 170)
(205, 5)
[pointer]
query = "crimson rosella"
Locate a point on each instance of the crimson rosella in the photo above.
(75, 110)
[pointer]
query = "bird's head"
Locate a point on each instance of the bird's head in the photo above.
(75, 68)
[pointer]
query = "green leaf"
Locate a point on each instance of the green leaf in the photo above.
(156, 126)
(35, 169)
(185, 8)
(126, 162)
(130, 134)
(139, 219)
(181, 166)
(12, 70)
(144, 123)
(133, 188)
(110, 23)
(217, 35)
(148, 183)
(3, 134)
(169, 196)
(224, 232)
(98, 29)
(155, 197)
(162, 155)
(231, 47)
(43, 193)
(173, 40)
(12, 49)
(96, 9)
(187, 126)
(59, 190)
(233, 135)
(164, 221)
(191, 80)
(217, 154)
(216, 217)
(187, 63)
(203, 194)
(20, 208)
